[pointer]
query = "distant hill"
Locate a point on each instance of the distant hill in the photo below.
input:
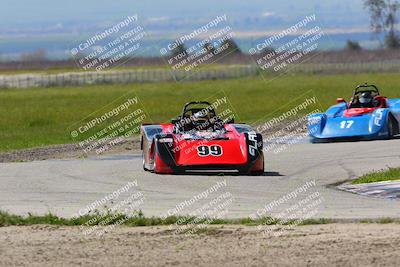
(335, 13)
(54, 25)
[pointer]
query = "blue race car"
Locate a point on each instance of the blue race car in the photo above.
(367, 116)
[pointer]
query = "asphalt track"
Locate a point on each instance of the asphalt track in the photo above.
(64, 187)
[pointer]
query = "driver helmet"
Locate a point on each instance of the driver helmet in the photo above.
(200, 117)
(365, 98)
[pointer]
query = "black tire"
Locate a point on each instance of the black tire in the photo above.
(144, 167)
(260, 172)
(254, 173)
(390, 128)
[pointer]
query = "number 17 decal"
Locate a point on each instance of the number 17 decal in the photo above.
(346, 124)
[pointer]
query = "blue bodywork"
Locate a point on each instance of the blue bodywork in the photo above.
(334, 125)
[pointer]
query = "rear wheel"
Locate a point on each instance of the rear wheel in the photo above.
(258, 167)
(258, 172)
(390, 128)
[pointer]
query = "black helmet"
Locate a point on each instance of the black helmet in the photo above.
(200, 117)
(365, 98)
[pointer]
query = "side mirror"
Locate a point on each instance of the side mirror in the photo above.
(340, 100)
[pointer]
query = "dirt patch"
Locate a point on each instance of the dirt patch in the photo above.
(316, 245)
(66, 151)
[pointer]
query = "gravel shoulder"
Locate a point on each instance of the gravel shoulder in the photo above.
(65, 151)
(313, 245)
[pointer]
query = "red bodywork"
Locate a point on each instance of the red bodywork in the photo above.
(185, 151)
(234, 148)
(352, 112)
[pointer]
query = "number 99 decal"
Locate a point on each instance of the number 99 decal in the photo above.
(213, 150)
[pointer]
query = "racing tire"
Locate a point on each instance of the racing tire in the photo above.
(390, 128)
(155, 163)
(258, 172)
(144, 166)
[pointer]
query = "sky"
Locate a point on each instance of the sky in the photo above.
(29, 25)
(28, 12)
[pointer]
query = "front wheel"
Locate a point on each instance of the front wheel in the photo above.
(144, 165)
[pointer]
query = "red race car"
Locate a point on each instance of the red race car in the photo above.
(198, 141)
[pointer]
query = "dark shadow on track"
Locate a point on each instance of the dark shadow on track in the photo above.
(205, 173)
(350, 140)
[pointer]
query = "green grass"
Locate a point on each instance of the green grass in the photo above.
(138, 219)
(7, 219)
(379, 176)
(60, 70)
(56, 70)
(42, 116)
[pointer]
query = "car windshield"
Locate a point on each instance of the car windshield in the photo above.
(198, 118)
(364, 99)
